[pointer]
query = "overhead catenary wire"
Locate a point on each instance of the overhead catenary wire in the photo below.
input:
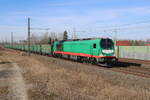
(128, 24)
(40, 28)
(122, 27)
(126, 28)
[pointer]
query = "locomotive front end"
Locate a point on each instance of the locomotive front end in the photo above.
(107, 51)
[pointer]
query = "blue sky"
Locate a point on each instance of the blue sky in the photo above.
(94, 17)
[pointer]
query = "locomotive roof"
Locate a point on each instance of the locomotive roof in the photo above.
(82, 39)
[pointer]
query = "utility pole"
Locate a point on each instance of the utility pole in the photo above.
(116, 47)
(12, 39)
(115, 38)
(74, 34)
(29, 32)
(29, 53)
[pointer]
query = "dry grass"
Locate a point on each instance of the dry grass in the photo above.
(4, 91)
(52, 82)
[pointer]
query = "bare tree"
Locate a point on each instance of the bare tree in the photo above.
(53, 35)
(60, 36)
(44, 39)
(35, 39)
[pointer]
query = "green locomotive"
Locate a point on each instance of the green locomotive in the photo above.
(101, 50)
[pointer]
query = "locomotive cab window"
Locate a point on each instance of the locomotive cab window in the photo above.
(94, 45)
(107, 44)
(60, 47)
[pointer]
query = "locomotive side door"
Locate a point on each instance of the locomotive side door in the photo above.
(94, 49)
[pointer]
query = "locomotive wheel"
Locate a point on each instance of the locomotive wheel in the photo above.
(79, 59)
(92, 60)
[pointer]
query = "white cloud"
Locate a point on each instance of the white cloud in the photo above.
(91, 19)
(140, 10)
(19, 32)
(144, 10)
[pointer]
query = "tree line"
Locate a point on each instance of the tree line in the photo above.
(134, 42)
(48, 38)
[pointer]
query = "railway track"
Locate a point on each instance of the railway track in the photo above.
(142, 72)
(133, 70)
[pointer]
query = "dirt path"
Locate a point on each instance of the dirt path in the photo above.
(12, 86)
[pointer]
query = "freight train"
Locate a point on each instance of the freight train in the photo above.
(101, 50)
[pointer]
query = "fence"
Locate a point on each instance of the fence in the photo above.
(134, 52)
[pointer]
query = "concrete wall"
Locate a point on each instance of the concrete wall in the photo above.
(134, 52)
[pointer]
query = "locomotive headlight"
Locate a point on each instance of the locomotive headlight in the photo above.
(108, 51)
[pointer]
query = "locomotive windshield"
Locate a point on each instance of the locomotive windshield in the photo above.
(107, 44)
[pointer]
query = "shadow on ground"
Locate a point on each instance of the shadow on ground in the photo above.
(125, 64)
(5, 62)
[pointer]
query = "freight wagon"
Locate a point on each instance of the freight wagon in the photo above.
(38, 49)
